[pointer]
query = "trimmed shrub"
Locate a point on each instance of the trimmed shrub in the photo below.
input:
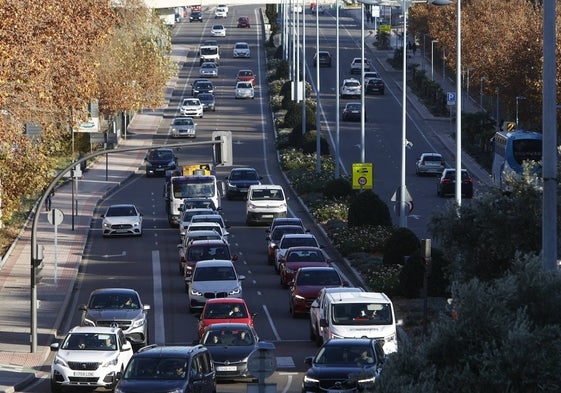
(402, 243)
(338, 188)
(367, 208)
(309, 143)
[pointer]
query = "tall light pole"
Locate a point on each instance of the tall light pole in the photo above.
(432, 58)
(337, 99)
(459, 103)
(518, 98)
(467, 82)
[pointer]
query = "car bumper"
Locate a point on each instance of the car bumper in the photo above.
(67, 377)
(191, 113)
(232, 370)
(186, 134)
(120, 230)
(158, 171)
(264, 217)
(242, 54)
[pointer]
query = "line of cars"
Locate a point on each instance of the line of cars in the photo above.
(433, 164)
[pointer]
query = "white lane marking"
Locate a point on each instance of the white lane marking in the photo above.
(159, 331)
(288, 383)
(275, 332)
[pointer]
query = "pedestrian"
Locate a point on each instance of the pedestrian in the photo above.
(49, 200)
(414, 48)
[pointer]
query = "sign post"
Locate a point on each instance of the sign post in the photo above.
(55, 217)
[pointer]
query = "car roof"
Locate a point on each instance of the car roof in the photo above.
(241, 42)
(245, 169)
(266, 186)
(208, 242)
(348, 341)
(168, 350)
(228, 326)
(113, 290)
(94, 329)
(305, 269)
(229, 300)
(122, 205)
(298, 235)
(214, 262)
(431, 154)
(286, 227)
(350, 80)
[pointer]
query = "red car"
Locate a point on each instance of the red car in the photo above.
(243, 21)
(274, 237)
(246, 76)
(224, 310)
(299, 257)
(306, 285)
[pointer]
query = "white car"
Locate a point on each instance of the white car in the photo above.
(350, 87)
(220, 12)
(244, 89)
(215, 278)
(183, 126)
(241, 49)
(186, 216)
(191, 107)
(206, 218)
(224, 7)
(208, 226)
(208, 69)
(368, 75)
(89, 357)
(123, 219)
(356, 65)
(218, 31)
(293, 240)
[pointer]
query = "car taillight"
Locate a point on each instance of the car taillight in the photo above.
(446, 180)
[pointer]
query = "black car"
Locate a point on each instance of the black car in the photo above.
(208, 101)
(239, 180)
(230, 344)
(196, 16)
(324, 58)
(375, 86)
(202, 86)
(352, 111)
(447, 183)
(346, 365)
(158, 161)
(169, 369)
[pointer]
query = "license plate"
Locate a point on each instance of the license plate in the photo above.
(267, 216)
(121, 231)
(226, 368)
(83, 373)
(243, 189)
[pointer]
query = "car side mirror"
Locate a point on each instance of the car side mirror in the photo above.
(126, 346)
(234, 258)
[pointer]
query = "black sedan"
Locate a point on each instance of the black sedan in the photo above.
(196, 16)
(158, 161)
(447, 183)
(375, 86)
(345, 365)
(239, 180)
(352, 111)
(230, 345)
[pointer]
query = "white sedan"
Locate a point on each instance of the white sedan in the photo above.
(183, 126)
(218, 31)
(208, 69)
(191, 107)
(244, 90)
(123, 219)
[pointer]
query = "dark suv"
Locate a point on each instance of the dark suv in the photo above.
(121, 306)
(158, 161)
(349, 365)
(447, 183)
(169, 369)
(239, 180)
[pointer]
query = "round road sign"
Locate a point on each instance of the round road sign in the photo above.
(55, 216)
(262, 363)
(362, 181)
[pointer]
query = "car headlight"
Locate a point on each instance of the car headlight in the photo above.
(235, 291)
(194, 292)
(308, 379)
(60, 361)
(111, 362)
(138, 323)
(136, 224)
(106, 224)
(289, 270)
(299, 297)
(367, 381)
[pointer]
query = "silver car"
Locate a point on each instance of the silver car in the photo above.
(123, 219)
(191, 107)
(208, 69)
(183, 126)
(430, 164)
(350, 87)
(244, 90)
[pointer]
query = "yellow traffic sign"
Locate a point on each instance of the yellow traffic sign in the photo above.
(385, 28)
(362, 176)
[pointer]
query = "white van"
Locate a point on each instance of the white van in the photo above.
(264, 203)
(354, 314)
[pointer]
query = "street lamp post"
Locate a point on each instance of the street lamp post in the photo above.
(432, 58)
(481, 91)
(518, 98)
(459, 103)
(467, 82)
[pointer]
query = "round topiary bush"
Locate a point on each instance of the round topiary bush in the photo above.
(402, 243)
(367, 208)
(337, 188)
(309, 143)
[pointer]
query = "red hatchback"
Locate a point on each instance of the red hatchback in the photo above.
(224, 310)
(246, 76)
(299, 257)
(306, 285)
(243, 21)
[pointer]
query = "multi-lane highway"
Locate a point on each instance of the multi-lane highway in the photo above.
(149, 264)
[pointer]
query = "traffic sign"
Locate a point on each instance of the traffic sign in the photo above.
(362, 176)
(450, 98)
(262, 362)
(55, 217)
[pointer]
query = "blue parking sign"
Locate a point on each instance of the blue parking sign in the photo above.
(450, 98)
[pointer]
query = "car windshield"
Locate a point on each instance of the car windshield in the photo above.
(318, 278)
(279, 232)
(244, 85)
(361, 314)
(208, 65)
(344, 355)
(164, 368)
(121, 211)
(228, 337)
(114, 301)
(243, 175)
(242, 46)
(204, 86)
(353, 107)
(183, 122)
(214, 273)
(160, 155)
(206, 218)
(90, 342)
(352, 84)
(224, 311)
(266, 194)
(191, 102)
(298, 241)
(245, 73)
(305, 256)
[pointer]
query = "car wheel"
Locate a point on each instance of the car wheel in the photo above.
(192, 310)
(181, 271)
(319, 338)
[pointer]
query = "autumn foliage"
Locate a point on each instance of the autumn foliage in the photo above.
(55, 58)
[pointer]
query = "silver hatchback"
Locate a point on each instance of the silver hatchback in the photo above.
(430, 164)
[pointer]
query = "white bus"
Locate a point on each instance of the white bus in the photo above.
(511, 149)
(181, 188)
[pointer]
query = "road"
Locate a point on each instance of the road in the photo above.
(149, 264)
